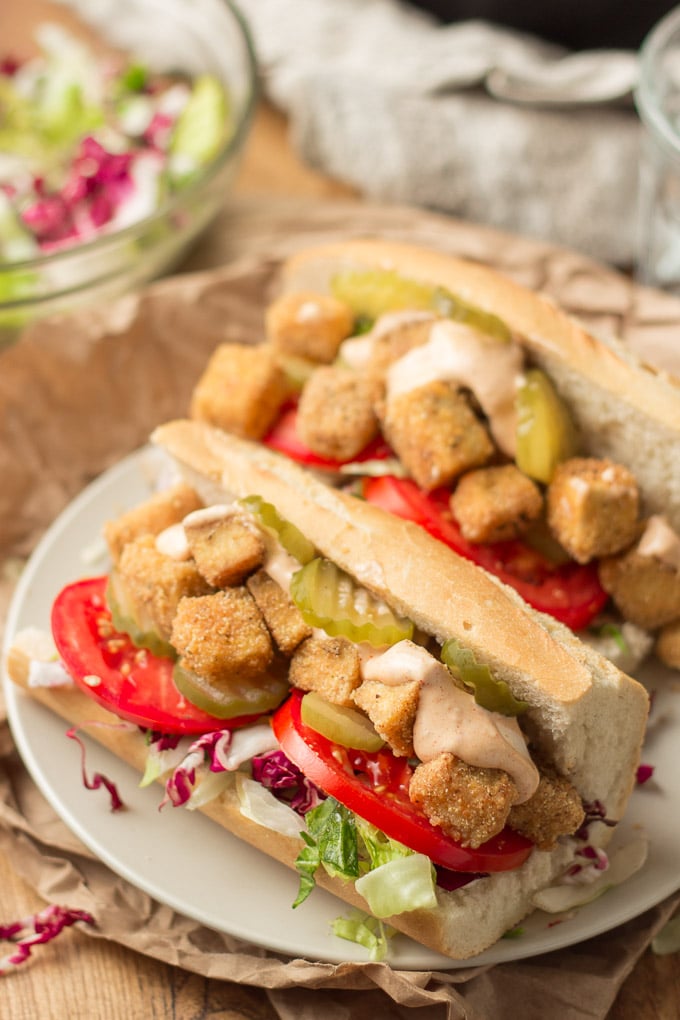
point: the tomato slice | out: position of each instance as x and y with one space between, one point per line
131 682
375 787
284 437
569 592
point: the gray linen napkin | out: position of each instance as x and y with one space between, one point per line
482 122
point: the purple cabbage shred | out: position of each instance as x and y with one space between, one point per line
37 930
285 780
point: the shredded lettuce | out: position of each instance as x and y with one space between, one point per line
348 847
261 806
405 883
366 931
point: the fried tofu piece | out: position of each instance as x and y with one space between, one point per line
667 646
470 804
592 507
392 710
644 589
222 636
336 416
329 666
154 584
241 390
495 504
283 618
435 433
308 325
226 548
156 514
554 810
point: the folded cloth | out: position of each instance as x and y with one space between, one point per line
468 118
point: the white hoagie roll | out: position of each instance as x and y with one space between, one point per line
585 717
623 409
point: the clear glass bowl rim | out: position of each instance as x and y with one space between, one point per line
115 237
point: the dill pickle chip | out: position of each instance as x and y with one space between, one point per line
237 697
545 431
373 292
329 598
490 693
132 621
345 726
290 537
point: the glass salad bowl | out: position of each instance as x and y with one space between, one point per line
121 127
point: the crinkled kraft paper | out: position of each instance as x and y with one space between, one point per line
78 393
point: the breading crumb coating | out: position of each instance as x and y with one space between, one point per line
221 636
470 804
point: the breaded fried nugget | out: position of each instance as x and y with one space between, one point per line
645 590
151 517
226 549
392 710
241 390
283 618
330 666
592 507
554 810
495 504
470 804
154 584
336 418
435 433
221 636
308 325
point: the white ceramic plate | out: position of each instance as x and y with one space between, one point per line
189 863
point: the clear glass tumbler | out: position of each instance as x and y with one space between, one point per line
657 99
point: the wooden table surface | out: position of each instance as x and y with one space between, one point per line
79 977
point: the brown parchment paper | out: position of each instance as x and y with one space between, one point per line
78 393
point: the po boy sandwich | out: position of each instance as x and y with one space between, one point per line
476 408
360 702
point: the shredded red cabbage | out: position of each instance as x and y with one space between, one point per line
36 930
97 183
595 811
277 773
210 749
97 779
451 880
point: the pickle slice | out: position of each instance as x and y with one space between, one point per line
329 598
488 692
290 537
373 292
238 697
345 726
134 622
545 431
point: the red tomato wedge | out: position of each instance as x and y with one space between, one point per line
131 682
568 592
375 787
284 438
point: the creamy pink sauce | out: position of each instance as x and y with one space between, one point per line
490 368
449 720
